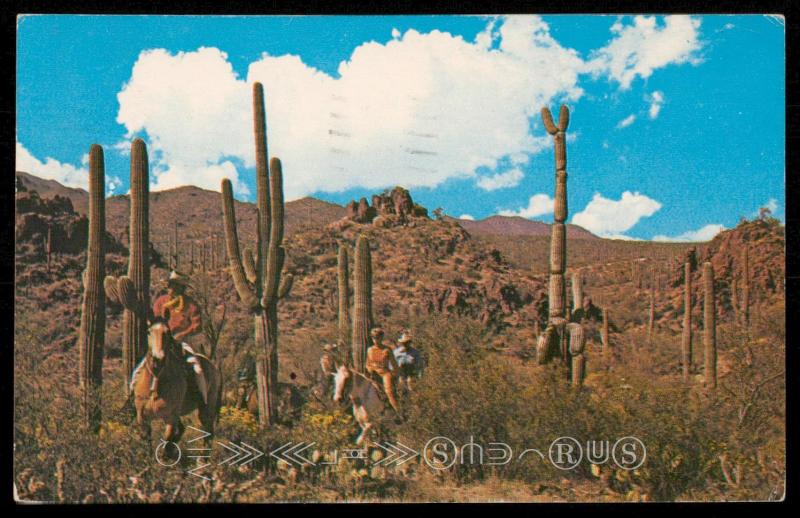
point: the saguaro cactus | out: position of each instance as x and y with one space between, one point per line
49 243
577 290
746 289
362 303
262 294
686 338
176 245
577 344
344 295
651 317
93 313
709 326
133 290
555 333
604 330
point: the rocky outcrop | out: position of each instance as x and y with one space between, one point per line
390 208
41 219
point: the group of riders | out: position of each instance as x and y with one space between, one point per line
389 365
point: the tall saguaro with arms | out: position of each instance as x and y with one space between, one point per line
261 292
554 341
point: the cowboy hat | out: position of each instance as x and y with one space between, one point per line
330 347
376 331
177 278
404 338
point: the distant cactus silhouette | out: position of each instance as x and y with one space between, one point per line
746 289
709 326
362 303
686 338
651 315
91 337
344 294
261 296
49 243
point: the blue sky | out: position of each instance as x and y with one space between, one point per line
677 123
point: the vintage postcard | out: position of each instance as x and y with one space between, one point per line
506 258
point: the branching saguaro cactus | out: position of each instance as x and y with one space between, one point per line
686 338
362 303
93 313
261 294
554 339
709 326
344 294
133 290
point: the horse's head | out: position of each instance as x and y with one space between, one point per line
159 339
340 378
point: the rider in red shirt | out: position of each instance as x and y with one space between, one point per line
184 321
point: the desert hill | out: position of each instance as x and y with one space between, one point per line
517 226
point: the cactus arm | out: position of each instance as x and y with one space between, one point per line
246 294
126 292
110 287
249 264
563 118
547 119
262 186
286 286
275 253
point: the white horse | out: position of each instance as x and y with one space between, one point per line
368 405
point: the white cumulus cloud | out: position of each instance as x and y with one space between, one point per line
417 110
656 101
510 178
538 205
65 174
467 217
51 169
705 233
627 121
646 45
406 111
611 218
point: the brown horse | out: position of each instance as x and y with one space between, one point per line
164 390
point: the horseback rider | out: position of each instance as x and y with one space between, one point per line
381 363
408 359
184 321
